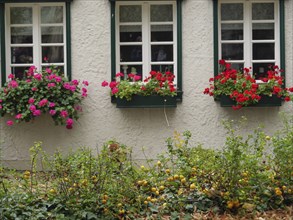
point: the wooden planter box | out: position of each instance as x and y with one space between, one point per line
147 102
265 101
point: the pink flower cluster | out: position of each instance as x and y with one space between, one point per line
47 92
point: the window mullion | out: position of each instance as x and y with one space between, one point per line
146 46
247 47
36 36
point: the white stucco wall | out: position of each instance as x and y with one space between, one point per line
138 128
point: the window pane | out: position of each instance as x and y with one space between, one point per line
263 31
263 51
237 66
130 13
233 11
232 31
232 51
131 53
136 69
163 68
162 53
21 15
19 72
55 54
21 55
260 69
51 14
21 35
161 13
161 33
262 11
130 33
52 34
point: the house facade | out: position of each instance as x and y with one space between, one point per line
94 39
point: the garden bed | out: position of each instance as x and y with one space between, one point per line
186 182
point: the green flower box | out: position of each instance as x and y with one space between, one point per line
265 101
153 101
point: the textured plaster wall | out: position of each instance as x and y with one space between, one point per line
138 128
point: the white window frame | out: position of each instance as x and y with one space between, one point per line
146 36
37 44
247 32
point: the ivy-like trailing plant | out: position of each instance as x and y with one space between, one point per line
157 83
243 88
40 92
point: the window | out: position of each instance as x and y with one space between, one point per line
249 34
35 32
146 35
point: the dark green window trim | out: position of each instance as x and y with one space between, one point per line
2 43
2 32
32 1
282 36
179 45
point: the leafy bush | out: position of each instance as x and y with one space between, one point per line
241 178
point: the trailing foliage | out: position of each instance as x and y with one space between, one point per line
39 92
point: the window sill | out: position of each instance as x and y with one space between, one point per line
265 101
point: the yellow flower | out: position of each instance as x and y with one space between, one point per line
278 191
192 186
230 204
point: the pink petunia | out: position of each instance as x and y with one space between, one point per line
72 88
69 121
75 82
113 84
86 83
58 79
51 85
13 84
105 83
136 78
37 112
48 70
67 85
38 76
34 89
69 126
119 74
31 70
32 108
18 116
64 113
43 102
84 90
52 105
11 76
1 107
52 112
9 123
115 90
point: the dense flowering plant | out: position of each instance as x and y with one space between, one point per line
243 88
41 92
157 83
